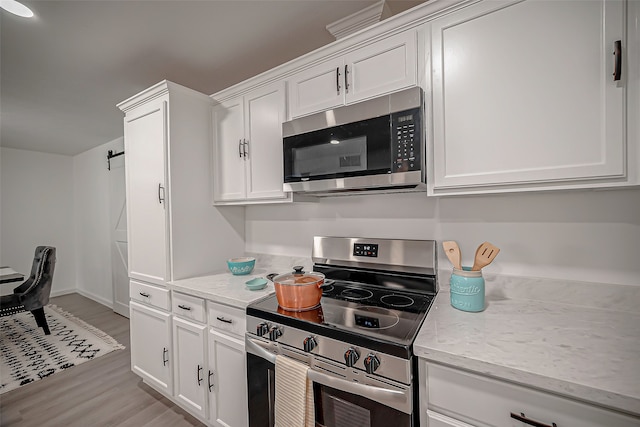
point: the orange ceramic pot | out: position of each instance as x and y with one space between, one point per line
298 291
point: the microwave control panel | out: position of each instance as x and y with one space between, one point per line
406 140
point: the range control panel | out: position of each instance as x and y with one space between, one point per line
406 141
365 249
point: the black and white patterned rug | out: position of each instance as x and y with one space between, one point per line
27 354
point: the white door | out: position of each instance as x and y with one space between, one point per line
265 113
316 89
523 92
144 140
151 345
118 223
228 138
383 67
189 365
228 402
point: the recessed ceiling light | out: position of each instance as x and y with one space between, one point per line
16 8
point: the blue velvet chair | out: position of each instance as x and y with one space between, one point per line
34 293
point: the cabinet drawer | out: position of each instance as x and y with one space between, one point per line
150 294
189 307
479 400
228 319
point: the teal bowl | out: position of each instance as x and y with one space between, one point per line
241 266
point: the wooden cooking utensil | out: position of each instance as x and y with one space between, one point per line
452 251
485 253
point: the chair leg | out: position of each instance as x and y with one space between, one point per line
41 320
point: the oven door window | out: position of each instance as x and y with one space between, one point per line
335 408
355 149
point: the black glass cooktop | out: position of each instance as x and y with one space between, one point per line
364 310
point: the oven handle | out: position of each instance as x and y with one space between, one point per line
397 399
393 398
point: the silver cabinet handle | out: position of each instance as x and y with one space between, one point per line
160 193
240 147
346 82
245 145
144 294
338 80
222 319
184 307
165 360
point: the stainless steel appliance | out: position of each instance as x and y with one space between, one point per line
372 145
358 342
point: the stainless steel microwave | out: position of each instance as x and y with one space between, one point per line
372 145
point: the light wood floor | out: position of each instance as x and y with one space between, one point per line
102 392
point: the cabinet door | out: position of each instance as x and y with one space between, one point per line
523 93
228 136
228 394
189 365
383 67
265 113
145 136
151 345
316 89
494 403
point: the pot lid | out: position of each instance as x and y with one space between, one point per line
298 277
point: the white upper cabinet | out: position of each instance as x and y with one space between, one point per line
524 97
248 147
145 137
228 135
173 230
381 67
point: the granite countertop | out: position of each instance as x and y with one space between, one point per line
224 287
582 351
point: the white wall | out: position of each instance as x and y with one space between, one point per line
578 235
36 208
92 224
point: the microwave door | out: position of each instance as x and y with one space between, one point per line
351 150
337 157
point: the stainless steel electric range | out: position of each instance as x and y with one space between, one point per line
358 342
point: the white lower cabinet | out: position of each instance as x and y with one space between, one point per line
228 388
228 402
209 367
190 369
151 356
460 399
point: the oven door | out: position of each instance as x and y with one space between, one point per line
339 402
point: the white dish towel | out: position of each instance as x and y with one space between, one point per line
294 405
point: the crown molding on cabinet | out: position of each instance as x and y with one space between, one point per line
156 91
359 20
408 19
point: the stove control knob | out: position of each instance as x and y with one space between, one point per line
351 356
274 333
309 343
371 363
262 329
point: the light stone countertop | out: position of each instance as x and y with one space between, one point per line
584 352
228 289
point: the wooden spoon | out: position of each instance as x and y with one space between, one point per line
485 253
452 251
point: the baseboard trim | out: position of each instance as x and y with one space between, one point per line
96 298
62 292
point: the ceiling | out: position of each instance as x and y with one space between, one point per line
64 71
